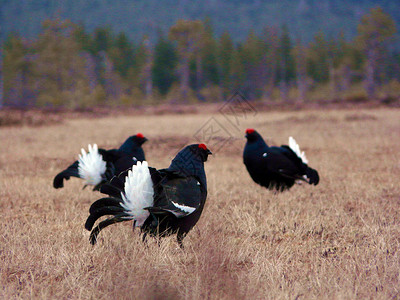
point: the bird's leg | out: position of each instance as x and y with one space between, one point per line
134 226
144 238
179 238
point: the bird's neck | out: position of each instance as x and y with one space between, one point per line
189 166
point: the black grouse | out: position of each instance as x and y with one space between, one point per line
98 165
160 202
276 168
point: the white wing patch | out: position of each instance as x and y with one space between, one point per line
91 165
265 154
138 192
187 209
296 149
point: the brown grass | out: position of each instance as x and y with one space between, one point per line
339 239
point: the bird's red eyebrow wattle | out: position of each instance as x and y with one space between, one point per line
139 135
249 130
203 146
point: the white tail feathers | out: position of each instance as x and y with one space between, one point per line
91 165
138 192
296 149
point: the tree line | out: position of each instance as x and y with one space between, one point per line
69 67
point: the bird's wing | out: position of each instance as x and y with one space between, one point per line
139 154
72 170
124 163
289 153
111 155
175 194
282 161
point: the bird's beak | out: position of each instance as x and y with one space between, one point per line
209 152
145 140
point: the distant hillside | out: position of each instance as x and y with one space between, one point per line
303 17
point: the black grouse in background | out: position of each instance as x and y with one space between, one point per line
98 165
276 167
160 202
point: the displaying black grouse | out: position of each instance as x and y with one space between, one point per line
160 202
276 167
98 165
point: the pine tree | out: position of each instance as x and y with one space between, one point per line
121 54
272 58
286 68
254 61
318 59
375 31
18 70
225 56
165 62
59 66
208 57
187 34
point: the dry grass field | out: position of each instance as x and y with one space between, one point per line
338 240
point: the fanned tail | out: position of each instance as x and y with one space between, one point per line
105 207
95 232
312 175
72 170
138 192
91 166
296 149
135 194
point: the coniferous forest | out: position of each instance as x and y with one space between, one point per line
67 65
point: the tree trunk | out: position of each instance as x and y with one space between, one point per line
370 74
184 78
333 80
283 86
199 72
301 74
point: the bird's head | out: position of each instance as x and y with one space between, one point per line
132 143
139 139
203 151
198 152
252 135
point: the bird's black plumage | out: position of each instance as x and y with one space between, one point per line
117 160
180 192
276 168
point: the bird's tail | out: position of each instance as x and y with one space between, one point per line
91 165
312 175
105 207
72 170
296 149
135 194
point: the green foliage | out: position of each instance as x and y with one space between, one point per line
209 53
319 58
122 54
375 29
164 65
286 66
68 66
59 67
224 58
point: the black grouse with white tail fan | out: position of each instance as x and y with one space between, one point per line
98 166
160 202
276 168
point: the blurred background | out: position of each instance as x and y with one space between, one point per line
78 53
